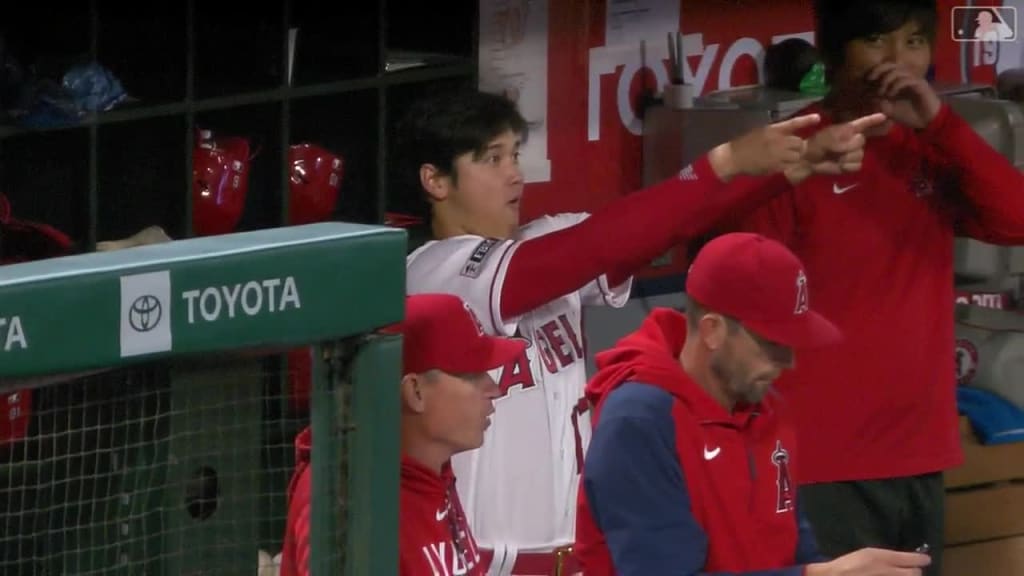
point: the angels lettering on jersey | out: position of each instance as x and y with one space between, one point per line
446 559
457 556
558 344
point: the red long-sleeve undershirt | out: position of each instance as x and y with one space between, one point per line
991 186
626 235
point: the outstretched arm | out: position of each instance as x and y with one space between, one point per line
628 233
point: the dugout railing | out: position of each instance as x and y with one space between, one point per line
162 406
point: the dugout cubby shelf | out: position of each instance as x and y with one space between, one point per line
335 74
50 171
154 69
260 125
289 71
355 137
126 166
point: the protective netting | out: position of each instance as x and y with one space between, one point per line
165 468
150 400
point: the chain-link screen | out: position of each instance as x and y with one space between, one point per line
167 468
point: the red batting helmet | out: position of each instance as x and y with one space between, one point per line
316 176
26 240
220 182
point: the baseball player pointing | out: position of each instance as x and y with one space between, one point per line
532 281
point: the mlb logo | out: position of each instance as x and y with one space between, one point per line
984 24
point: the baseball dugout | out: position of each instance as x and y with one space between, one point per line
163 410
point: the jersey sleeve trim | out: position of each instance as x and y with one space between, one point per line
502 326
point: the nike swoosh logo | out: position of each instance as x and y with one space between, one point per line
710 454
442 514
837 190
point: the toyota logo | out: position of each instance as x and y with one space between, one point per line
145 313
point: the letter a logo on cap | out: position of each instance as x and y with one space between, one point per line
802 304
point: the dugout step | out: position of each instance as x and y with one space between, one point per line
984 531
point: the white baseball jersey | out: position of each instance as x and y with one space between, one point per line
519 488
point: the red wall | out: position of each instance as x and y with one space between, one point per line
588 173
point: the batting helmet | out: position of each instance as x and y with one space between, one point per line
316 177
220 183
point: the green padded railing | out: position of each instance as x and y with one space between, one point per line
156 374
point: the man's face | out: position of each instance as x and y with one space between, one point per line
747 365
906 46
458 408
488 189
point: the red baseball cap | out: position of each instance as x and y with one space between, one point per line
760 283
441 332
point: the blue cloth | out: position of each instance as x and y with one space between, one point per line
93 88
84 89
995 419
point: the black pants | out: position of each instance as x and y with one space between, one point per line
895 513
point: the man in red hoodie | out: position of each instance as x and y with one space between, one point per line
447 399
877 416
693 468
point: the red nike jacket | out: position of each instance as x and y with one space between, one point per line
434 538
674 484
878 249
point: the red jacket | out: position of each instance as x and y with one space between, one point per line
674 484
434 539
878 249
295 553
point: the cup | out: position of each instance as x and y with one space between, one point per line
679 96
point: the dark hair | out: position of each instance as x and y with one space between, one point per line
1010 84
786 63
842 21
440 128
